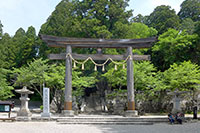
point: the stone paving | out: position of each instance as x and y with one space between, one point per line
53 127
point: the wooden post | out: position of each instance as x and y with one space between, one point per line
68 84
130 80
130 85
68 80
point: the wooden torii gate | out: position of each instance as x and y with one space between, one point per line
68 43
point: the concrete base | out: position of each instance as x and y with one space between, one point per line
131 113
45 114
24 112
174 111
67 113
21 118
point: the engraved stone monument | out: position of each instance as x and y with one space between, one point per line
46 112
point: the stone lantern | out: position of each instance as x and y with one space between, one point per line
24 110
177 100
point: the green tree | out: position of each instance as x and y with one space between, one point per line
134 30
18 50
144 76
190 9
197 28
32 75
184 76
174 47
139 30
5 88
140 19
38 73
188 25
28 49
87 18
163 18
63 21
148 85
7 52
1 30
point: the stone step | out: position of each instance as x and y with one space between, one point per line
73 119
8 119
111 120
108 123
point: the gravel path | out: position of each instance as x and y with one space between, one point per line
53 127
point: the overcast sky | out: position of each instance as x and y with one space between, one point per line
24 13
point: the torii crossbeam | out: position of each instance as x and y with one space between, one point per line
69 43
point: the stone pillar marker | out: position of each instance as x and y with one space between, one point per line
24 112
46 112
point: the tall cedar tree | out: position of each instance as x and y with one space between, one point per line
163 18
1 29
190 9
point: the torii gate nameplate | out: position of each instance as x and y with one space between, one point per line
68 43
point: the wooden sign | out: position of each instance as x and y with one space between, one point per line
4 108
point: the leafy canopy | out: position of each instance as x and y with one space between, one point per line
185 76
173 47
5 88
163 18
190 9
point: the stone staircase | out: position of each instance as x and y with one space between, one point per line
111 120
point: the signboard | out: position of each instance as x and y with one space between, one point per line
4 108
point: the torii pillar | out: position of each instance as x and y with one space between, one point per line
130 85
68 84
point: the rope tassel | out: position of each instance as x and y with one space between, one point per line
123 66
95 68
103 68
82 66
115 67
74 64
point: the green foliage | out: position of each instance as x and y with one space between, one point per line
39 72
18 50
144 76
163 18
32 75
183 77
27 48
197 28
86 18
188 25
5 88
134 30
1 29
120 77
140 19
55 79
190 9
174 47
7 52
139 30
80 82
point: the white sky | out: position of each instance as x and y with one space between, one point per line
24 13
